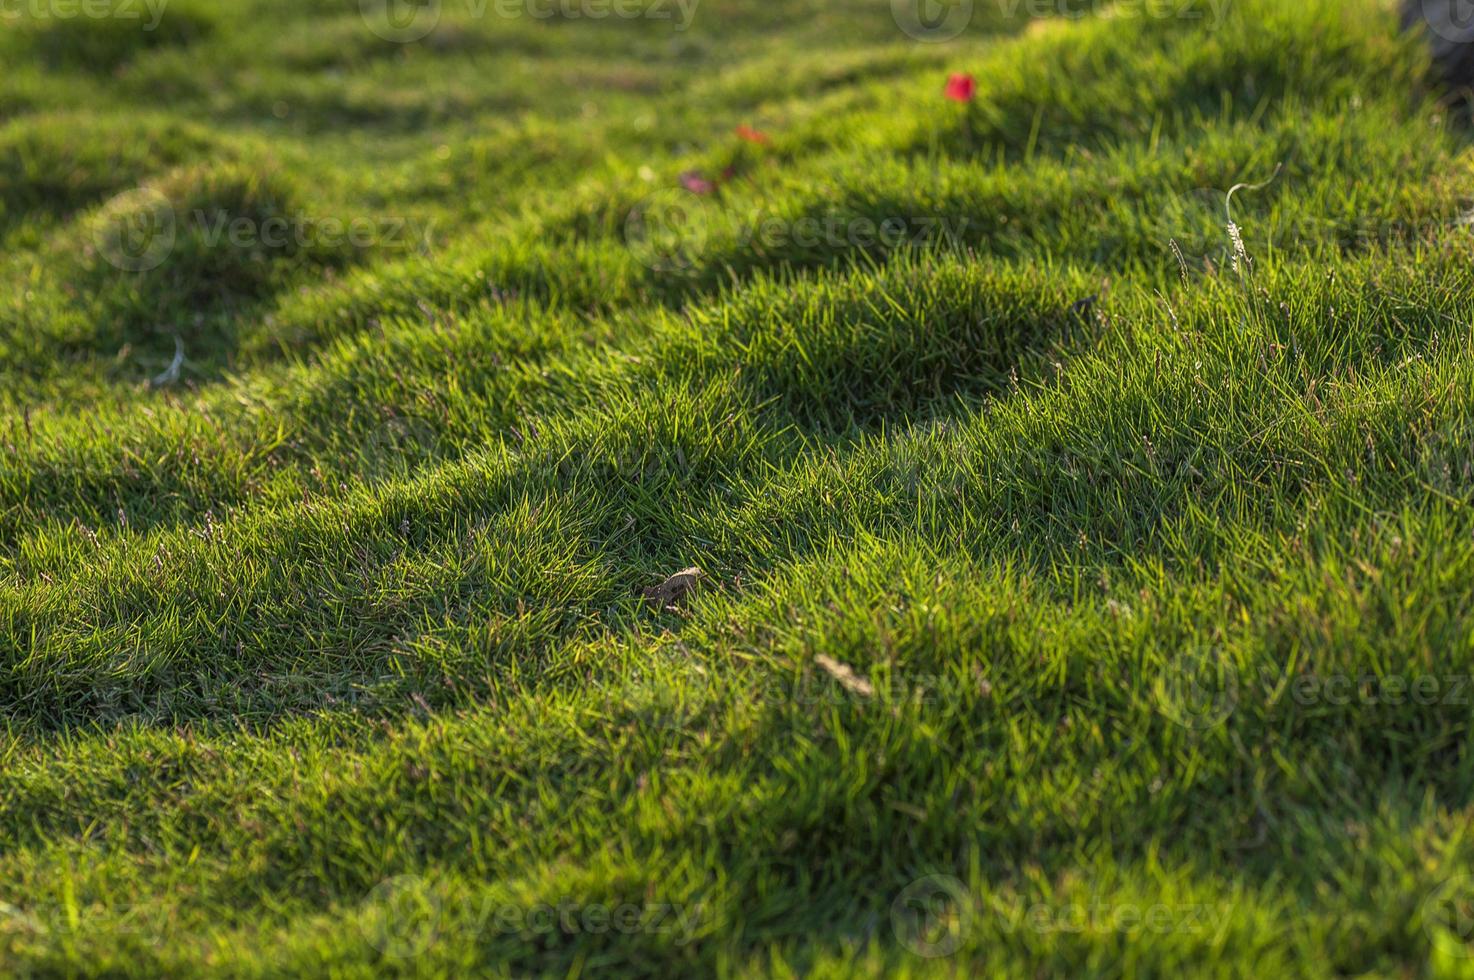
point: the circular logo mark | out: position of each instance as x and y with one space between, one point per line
400 21
932 21
673 703
136 230
399 446
18 920
1199 689
1196 228
1449 20
668 231
1448 916
404 917
933 916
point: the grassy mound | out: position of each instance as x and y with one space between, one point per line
1080 477
204 236
54 165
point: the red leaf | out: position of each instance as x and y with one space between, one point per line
753 135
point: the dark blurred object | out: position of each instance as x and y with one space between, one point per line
1449 25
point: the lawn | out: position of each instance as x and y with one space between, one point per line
1078 468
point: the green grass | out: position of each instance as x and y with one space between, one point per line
322 645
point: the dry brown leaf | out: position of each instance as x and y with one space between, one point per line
847 678
670 593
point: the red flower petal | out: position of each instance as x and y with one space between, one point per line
752 135
961 87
